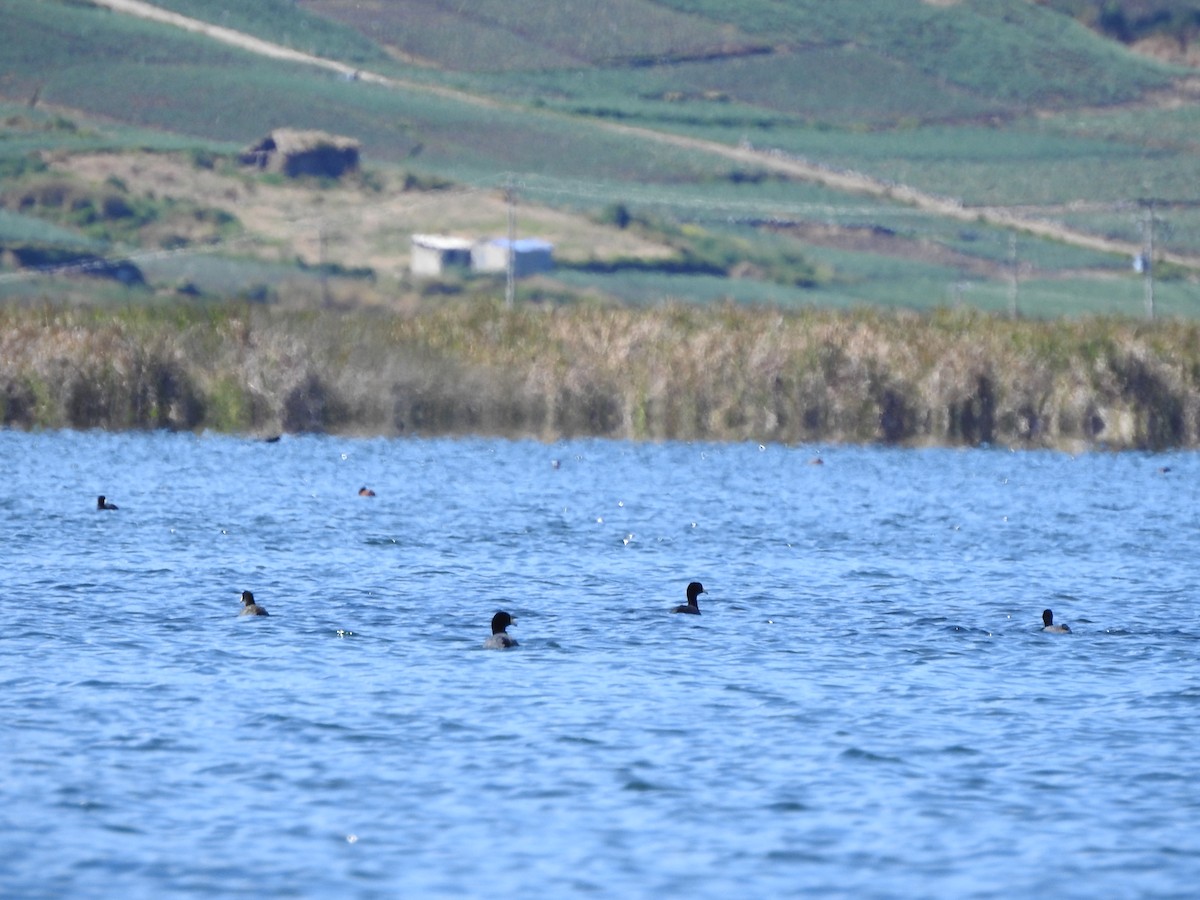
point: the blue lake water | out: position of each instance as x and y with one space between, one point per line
866 707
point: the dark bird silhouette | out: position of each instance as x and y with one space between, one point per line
249 607
694 590
500 639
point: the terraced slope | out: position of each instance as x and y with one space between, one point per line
942 126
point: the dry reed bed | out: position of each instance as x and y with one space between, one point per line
676 372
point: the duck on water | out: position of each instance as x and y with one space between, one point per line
694 590
249 607
501 639
1049 626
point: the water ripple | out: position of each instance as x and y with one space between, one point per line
866 706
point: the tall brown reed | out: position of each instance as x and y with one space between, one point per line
727 373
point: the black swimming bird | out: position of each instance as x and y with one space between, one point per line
249 607
1048 623
365 491
694 590
500 639
102 503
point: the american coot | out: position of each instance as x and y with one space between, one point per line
500 640
694 590
102 503
1048 623
249 607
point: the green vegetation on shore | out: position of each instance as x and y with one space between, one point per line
760 214
724 373
685 111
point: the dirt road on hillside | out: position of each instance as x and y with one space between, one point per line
772 160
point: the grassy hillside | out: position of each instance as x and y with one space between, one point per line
999 106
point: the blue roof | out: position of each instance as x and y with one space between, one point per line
523 245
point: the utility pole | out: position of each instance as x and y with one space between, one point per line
322 242
1013 272
510 274
1148 258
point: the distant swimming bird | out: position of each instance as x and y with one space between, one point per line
694 590
365 491
1048 624
249 607
102 503
500 639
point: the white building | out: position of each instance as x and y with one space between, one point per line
530 256
433 254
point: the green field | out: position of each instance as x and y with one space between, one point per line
997 105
